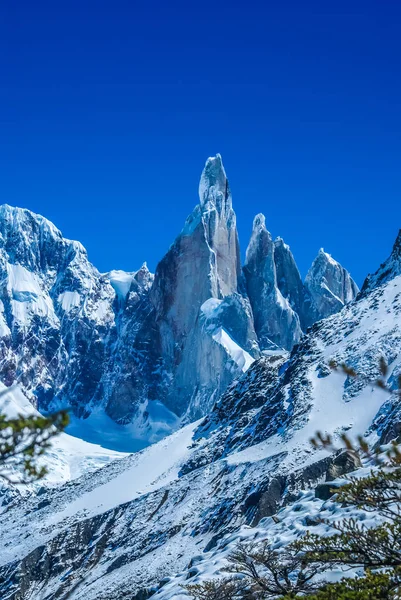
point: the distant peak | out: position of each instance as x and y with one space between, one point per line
396 252
215 162
326 257
214 168
143 276
143 271
388 270
259 221
213 176
22 215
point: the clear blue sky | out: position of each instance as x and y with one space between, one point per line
108 111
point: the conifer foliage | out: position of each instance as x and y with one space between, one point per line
23 440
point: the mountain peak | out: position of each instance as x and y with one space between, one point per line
259 221
213 185
324 257
329 285
388 270
396 252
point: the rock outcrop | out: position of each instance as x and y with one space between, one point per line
329 286
276 323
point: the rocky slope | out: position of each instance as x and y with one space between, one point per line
166 515
151 352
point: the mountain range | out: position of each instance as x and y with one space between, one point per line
153 351
223 371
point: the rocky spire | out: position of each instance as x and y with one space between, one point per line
204 260
275 320
202 264
219 223
289 280
329 286
388 270
213 185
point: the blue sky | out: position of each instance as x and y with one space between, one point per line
108 111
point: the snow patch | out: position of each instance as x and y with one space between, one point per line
69 300
210 307
27 297
239 356
68 457
121 282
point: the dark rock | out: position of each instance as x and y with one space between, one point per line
345 462
326 490
311 522
144 594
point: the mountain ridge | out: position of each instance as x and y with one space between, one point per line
134 344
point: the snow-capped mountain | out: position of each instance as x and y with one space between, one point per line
147 524
152 352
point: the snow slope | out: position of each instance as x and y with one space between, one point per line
69 457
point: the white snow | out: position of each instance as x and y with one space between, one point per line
149 470
69 300
100 429
239 356
27 296
210 307
69 457
121 282
288 525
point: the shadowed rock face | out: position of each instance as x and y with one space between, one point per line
276 323
284 306
128 343
202 264
288 276
387 270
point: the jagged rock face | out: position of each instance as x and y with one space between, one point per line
56 309
282 304
202 266
289 282
60 319
276 323
330 287
153 351
204 261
